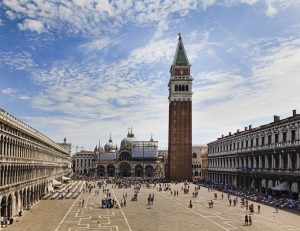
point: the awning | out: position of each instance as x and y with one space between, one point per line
65 178
294 187
56 183
270 184
252 184
284 186
264 183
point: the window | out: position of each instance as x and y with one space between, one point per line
293 134
251 143
276 138
242 145
284 137
194 155
238 145
269 139
176 87
186 87
257 142
233 146
246 143
262 141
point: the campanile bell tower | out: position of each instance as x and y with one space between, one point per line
180 117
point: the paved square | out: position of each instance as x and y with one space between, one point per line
167 213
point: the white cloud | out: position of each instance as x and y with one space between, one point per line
24 97
8 91
18 60
97 44
228 101
32 25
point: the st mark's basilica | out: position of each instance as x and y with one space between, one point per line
132 158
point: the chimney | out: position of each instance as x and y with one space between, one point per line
230 133
238 130
246 128
222 136
294 112
275 118
250 127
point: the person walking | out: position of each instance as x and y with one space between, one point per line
250 220
258 208
191 205
246 219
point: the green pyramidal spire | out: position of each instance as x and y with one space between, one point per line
180 58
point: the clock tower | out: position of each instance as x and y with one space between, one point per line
180 117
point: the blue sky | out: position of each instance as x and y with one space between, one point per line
83 69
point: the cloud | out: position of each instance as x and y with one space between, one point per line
24 97
98 44
8 91
229 101
18 60
32 25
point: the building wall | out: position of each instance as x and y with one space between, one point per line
198 163
84 161
29 162
258 158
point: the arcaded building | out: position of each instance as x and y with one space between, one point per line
180 117
266 158
29 163
199 156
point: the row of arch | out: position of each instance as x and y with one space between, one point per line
15 202
181 87
12 147
196 166
12 174
126 170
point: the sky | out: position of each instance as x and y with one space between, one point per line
83 69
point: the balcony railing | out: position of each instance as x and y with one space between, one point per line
258 148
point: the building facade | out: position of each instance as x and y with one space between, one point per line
266 158
83 162
180 117
29 161
198 152
134 158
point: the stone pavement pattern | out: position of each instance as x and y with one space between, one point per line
167 213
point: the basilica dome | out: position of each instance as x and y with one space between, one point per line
126 143
109 146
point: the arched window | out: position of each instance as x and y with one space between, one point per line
176 87
186 88
194 155
179 87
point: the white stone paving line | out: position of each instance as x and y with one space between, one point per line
196 212
122 211
63 219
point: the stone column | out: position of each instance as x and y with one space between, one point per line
289 165
259 162
280 162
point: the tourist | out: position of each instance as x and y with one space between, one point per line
191 206
258 208
250 220
246 219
